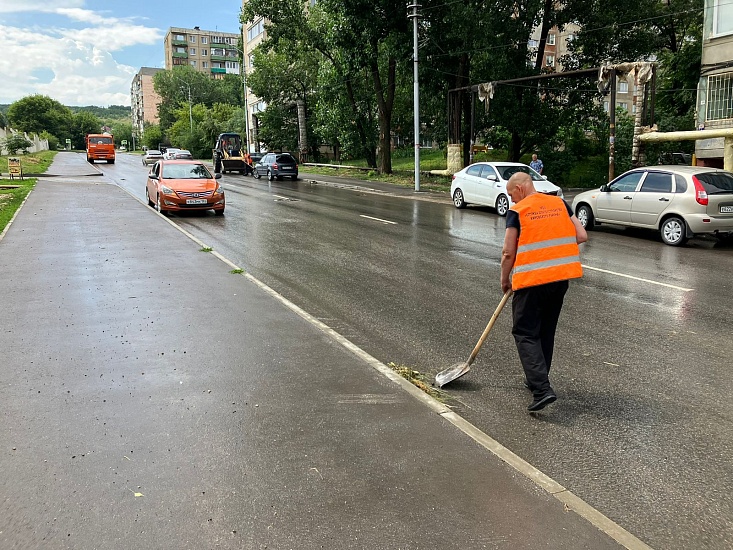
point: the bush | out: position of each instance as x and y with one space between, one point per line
15 143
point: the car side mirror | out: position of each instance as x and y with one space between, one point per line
217 176
492 177
605 188
544 177
152 176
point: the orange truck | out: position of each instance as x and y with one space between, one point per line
100 147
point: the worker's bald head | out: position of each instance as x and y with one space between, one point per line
519 186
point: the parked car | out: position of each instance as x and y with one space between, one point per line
169 153
276 165
677 201
152 156
177 185
182 154
485 183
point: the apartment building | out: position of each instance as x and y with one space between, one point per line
715 88
144 100
210 52
253 33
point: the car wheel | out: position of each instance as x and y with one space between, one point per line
147 196
295 178
270 175
673 231
158 205
110 161
256 174
217 165
279 178
219 212
458 199
502 205
585 216
90 160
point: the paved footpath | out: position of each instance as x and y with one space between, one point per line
149 398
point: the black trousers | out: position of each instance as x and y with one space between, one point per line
535 311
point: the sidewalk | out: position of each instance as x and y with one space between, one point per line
150 398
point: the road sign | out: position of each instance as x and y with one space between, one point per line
14 168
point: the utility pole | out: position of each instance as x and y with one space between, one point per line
416 91
244 95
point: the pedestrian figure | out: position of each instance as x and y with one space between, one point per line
541 246
537 165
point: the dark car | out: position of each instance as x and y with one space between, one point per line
277 165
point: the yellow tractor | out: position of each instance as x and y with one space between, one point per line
228 155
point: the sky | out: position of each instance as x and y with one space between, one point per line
81 52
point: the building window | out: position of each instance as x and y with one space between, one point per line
623 87
550 61
720 97
204 52
180 50
232 65
251 60
205 64
192 51
623 105
255 30
179 37
605 106
551 39
193 63
204 40
533 43
722 17
192 38
633 107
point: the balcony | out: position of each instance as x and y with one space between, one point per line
219 45
179 42
182 55
218 70
220 58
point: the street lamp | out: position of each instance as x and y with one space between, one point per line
190 112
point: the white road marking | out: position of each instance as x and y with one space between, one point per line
280 197
378 219
638 278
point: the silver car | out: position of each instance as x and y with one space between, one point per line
677 201
152 156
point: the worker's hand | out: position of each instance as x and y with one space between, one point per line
506 286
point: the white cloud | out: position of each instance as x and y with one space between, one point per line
19 6
81 60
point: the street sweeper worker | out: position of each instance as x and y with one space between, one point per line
541 246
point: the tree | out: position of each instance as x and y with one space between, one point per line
15 143
36 113
152 136
84 122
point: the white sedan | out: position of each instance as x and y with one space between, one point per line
485 183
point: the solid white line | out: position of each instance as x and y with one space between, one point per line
378 219
280 197
638 278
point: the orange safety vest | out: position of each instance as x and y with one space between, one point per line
547 250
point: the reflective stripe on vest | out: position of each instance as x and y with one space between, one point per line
547 250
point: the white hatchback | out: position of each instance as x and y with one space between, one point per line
485 183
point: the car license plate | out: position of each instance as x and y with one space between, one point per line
726 209
196 201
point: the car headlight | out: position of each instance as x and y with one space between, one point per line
560 194
166 190
219 190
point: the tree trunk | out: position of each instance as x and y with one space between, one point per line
385 101
546 25
302 132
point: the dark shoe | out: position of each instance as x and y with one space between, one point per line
541 402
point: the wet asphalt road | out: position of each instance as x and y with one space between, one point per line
643 428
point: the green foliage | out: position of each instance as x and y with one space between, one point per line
15 143
113 112
36 113
84 122
152 136
53 141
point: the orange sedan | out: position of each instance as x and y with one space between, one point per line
178 185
